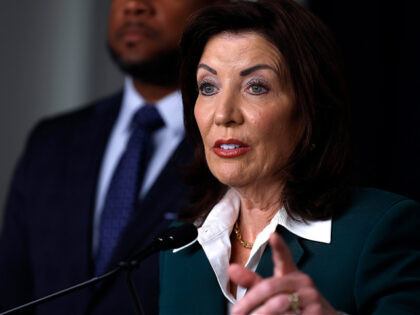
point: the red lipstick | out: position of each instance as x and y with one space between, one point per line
230 148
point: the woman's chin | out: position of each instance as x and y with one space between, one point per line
235 181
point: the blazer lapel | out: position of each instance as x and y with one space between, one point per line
292 242
190 285
265 267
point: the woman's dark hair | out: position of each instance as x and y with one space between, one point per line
316 174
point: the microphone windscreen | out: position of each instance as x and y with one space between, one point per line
176 237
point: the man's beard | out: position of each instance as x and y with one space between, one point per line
162 69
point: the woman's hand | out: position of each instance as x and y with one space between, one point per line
288 291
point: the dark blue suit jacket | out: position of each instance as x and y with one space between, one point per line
46 238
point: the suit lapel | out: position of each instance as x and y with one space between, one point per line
83 137
83 162
265 267
168 194
159 208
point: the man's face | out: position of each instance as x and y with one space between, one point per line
143 34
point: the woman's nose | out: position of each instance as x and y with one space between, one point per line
228 111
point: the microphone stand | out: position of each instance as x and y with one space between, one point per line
129 265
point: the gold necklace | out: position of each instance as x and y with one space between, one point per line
239 237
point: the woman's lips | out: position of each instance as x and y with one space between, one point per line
230 148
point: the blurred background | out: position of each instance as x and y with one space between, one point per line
53 58
380 45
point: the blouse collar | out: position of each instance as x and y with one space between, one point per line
224 214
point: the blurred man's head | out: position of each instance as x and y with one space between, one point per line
143 37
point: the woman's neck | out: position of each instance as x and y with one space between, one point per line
258 207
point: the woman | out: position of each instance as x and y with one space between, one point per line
264 106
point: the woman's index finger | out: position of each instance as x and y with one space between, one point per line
282 258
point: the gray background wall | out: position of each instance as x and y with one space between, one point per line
52 59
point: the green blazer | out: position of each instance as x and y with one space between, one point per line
371 266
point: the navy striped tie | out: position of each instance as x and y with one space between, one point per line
125 185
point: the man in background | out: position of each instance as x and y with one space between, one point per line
75 209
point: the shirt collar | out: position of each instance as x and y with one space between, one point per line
169 107
225 213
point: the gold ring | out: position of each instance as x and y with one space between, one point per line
294 303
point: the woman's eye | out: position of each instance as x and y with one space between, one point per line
257 89
207 89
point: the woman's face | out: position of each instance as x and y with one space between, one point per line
245 110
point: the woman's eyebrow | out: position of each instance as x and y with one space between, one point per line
206 67
256 67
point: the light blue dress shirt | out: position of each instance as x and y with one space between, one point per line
165 141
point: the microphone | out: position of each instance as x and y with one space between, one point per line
170 238
173 237
176 237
